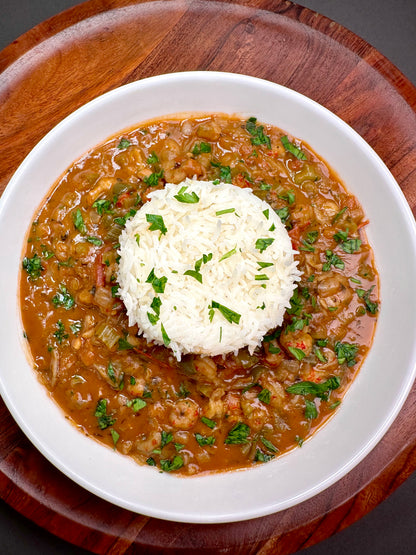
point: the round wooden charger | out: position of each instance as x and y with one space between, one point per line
101 44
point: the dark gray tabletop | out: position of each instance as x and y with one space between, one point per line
390 529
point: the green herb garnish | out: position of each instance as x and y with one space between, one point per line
229 315
208 422
104 420
78 221
257 133
263 243
63 298
332 260
265 395
165 337
293 149
238 434
204 440
175 464
346 353
33 266
124 143
320 390
188 198
157 223
371 306
96 241
152 159
225 211
201 147
60 334
153 179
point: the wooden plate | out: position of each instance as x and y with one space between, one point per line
92 48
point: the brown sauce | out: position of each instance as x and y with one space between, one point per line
201 414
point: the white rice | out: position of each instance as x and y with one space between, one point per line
190 323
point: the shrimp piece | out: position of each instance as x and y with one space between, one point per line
206 367
184 414
233 410
268 381
326 211
102 186
275 358
147 444
216 406
299 340
334 291
254 411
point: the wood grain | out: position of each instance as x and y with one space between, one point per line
101 44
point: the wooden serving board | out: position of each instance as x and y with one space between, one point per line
101 44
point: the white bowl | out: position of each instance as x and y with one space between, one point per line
375 397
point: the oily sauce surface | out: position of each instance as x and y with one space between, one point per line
200 414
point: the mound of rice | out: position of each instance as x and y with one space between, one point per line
206 268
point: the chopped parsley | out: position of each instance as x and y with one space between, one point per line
96 241
332 260
228 254
169 465
229 315
124 345
262 457
33 266
311 411
339 214
208 422
289 197
46 254
103 206
204 440
293 149
188 198
225 172
165 337
104 420
263 243
157 223
152 159
264 264
320 390
121 220
371 306
257 133
297 353
350 246
63 298
153 179
346 353
269 445
238 434
136 404
196 274
78 221
225 211
115 436
158 284
283 213
60 334
265 395
183 390
124 143
200 148
166 437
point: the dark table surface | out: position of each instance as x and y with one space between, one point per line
390 529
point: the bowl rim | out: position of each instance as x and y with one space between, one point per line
407 221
